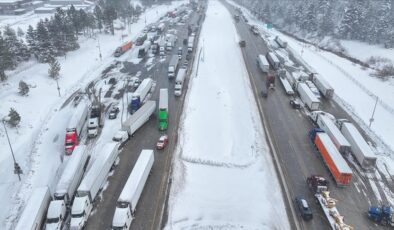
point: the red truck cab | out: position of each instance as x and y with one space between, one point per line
71 141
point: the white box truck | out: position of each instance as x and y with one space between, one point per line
359 147
190 44
324 87
140 94
326 122
307 96
173 66
180 78
263 63
132 190
139 118
56 216
91 185
273 60
33 214
281 43
72 175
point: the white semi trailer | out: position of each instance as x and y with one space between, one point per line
359 147
91 184
128 199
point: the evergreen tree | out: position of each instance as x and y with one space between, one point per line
54 68
98 15
31 39
6 57
109 17
23 88
3 76
15 118
74 19
20 32
45 50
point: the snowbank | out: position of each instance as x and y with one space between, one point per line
223 174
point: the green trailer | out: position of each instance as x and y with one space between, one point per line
163 110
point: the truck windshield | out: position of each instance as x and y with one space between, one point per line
91 128
117 228
78 215
53 220
69 143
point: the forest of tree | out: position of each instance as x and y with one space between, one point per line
59 34
369 21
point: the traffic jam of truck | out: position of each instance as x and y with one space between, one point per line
86 169
337 141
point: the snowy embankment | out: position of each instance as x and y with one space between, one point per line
38 142
356 91
223 175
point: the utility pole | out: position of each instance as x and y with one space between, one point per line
58 87
17 168
99 48
373 112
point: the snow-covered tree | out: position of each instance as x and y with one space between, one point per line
14 118
54 68
20 32
23 88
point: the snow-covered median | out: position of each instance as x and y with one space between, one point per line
223 174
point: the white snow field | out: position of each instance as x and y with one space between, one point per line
223 175
38 142
355 90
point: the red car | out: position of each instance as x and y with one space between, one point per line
162 143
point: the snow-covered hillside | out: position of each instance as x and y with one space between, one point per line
223 175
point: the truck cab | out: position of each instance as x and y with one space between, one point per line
56 215
71 141
80 212
135 104
178 89
122 219
93 127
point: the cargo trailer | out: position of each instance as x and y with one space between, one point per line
139 118
324 87
334 161
359 147
131 193
307 96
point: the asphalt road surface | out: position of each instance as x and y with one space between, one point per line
149 212
298 157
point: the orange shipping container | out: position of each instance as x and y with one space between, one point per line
338 167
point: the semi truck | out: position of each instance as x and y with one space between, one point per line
286 85
326 122
190 44
273 60
327 203
171 40
307 96
56 215
163 109
281 43
123 48
358 146
139 118
33 214
141 39
75 126
96 119
324 87
72 175
91 185
140 94
143 50
263 63
173 66
381 214
180 78
334 161
132 190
